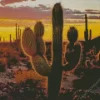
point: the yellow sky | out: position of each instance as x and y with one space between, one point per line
7 27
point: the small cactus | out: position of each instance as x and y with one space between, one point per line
86 28
90 38
87 34
73 49
72 34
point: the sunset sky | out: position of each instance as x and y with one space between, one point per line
73 4
27 12
41 9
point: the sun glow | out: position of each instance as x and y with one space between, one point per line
8 27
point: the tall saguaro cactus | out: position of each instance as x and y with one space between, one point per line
54 79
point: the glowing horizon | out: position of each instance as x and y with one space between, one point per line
94 25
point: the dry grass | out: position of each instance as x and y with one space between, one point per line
24 75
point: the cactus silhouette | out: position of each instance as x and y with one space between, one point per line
90 38
87 33
86 28
87 36
72 35
34 46
54 79
73 49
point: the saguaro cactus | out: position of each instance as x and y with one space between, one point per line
87 33
86 28
90 37
54 79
